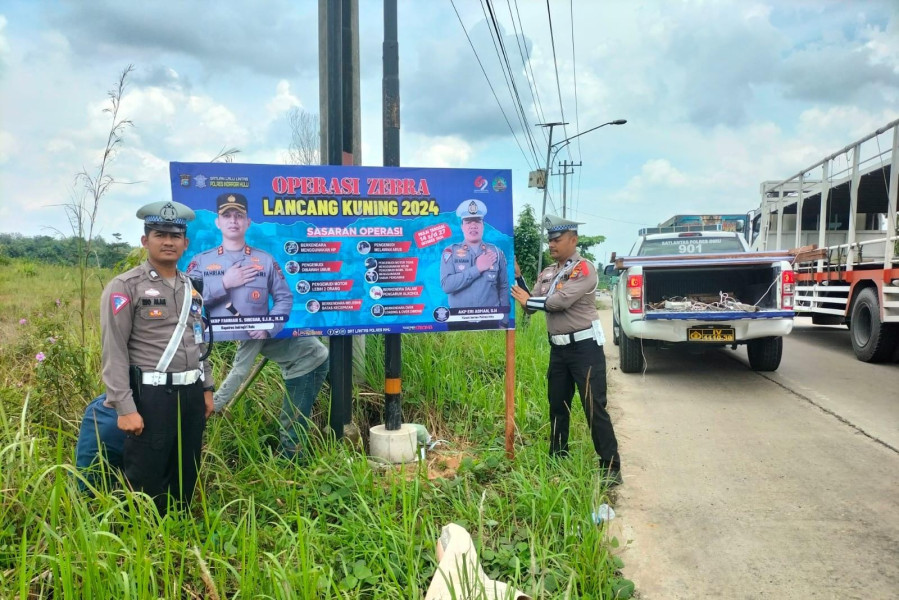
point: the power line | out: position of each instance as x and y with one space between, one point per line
577 122
523 153
522 52
508 75
556 64
616 220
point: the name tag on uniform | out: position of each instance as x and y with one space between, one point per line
198 333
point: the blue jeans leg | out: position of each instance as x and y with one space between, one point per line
297 409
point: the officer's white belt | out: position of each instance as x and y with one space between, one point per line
564 339
185 378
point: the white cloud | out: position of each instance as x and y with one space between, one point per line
8 146
439 152
660 172
282 101
4 45
57 145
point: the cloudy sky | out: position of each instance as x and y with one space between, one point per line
719 96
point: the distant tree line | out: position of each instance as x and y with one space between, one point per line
62 250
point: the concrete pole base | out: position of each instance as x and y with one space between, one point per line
398 446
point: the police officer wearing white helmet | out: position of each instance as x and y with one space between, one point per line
152 336
473 273
565 291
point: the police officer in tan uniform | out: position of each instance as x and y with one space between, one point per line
565 291
152 335
238 280
473 273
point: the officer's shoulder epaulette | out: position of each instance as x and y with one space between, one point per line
248 250
209 252
130 274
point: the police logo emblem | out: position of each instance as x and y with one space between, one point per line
169 212
547 223
255 295
118 301
472 208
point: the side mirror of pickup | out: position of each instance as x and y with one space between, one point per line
610 270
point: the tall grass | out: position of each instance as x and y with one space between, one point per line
337 527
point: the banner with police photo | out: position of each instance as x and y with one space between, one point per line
288 250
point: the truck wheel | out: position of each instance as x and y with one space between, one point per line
616 331
765 353
630 354
872 340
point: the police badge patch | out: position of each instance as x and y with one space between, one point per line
118 301
577 271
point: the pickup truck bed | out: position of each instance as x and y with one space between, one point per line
703 301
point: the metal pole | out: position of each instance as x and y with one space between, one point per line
561 145
565 174
340 369
549 147
393 410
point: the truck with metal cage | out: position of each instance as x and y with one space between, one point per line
699 287
845 204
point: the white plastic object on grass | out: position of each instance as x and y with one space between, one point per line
603 513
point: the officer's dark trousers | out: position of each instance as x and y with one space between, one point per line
580 364
163 460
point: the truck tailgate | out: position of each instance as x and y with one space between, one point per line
665 315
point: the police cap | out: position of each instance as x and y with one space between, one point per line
471 209
166 216
231 200
556 226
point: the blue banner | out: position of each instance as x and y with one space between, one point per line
288 250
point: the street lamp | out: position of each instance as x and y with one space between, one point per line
554 149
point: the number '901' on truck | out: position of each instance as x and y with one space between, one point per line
701 288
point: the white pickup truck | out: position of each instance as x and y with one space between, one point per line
700 289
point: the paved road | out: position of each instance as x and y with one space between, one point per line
748 485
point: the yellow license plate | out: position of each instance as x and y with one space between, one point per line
711 334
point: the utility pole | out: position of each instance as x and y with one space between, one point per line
393 411
340 118
549 147
565 173
559 146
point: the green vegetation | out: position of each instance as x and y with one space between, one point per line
262 527
62 250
